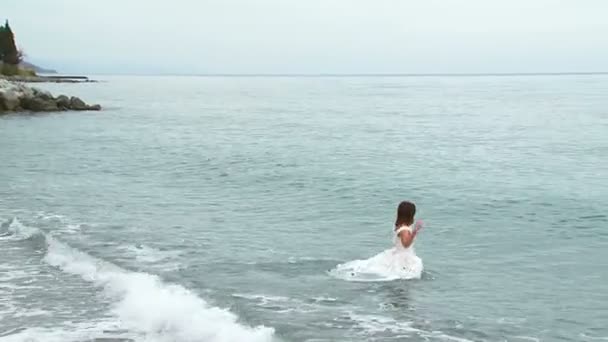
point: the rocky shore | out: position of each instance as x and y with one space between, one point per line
48 79
17 97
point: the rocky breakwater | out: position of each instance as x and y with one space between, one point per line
16 97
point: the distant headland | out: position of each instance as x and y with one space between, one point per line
14 67
17 97
37 69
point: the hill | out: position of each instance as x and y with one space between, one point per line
36 68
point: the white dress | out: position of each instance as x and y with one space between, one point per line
394 263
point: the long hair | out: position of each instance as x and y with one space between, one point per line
405 214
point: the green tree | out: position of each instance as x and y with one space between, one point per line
8 49
3 40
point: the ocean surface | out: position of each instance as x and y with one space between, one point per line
213 209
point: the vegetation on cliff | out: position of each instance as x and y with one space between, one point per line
10 55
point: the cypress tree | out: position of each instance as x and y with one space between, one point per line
3 40
11 55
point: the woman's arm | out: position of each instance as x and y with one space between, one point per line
407 237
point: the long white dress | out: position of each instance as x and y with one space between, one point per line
394 263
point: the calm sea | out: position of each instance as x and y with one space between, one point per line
212 209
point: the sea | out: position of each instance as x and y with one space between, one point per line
214 209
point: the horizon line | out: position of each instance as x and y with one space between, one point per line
473 74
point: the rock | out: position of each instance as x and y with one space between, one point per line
41 94
63 102
25 91
18 97
77 104
9 100
37 104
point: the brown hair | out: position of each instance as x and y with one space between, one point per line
405 214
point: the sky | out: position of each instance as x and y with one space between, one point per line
311 36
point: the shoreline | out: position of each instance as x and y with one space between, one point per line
49 79
16 97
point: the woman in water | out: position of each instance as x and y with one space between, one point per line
399 262
403 224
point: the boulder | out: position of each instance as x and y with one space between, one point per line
37 104
77 104
44 95
19 97
24 91
9 99
63 102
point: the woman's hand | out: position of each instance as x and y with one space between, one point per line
419 225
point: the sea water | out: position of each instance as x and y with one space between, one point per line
215 208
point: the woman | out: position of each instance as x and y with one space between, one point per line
399 262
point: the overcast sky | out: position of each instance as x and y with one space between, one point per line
312 36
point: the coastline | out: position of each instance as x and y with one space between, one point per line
16 97
48 79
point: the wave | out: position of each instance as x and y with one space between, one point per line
589 337
374 324
143 303
283 304
154 259
62 223
14 230
147 254
87 331
50 216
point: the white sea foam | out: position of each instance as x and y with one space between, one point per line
325 299
144 304
72 228
50 216
264 299
147 254
372 324
596 338
8 275
32 313
280 303
527 338
163 312
15 230
295 260
62 223
70 332
376 323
